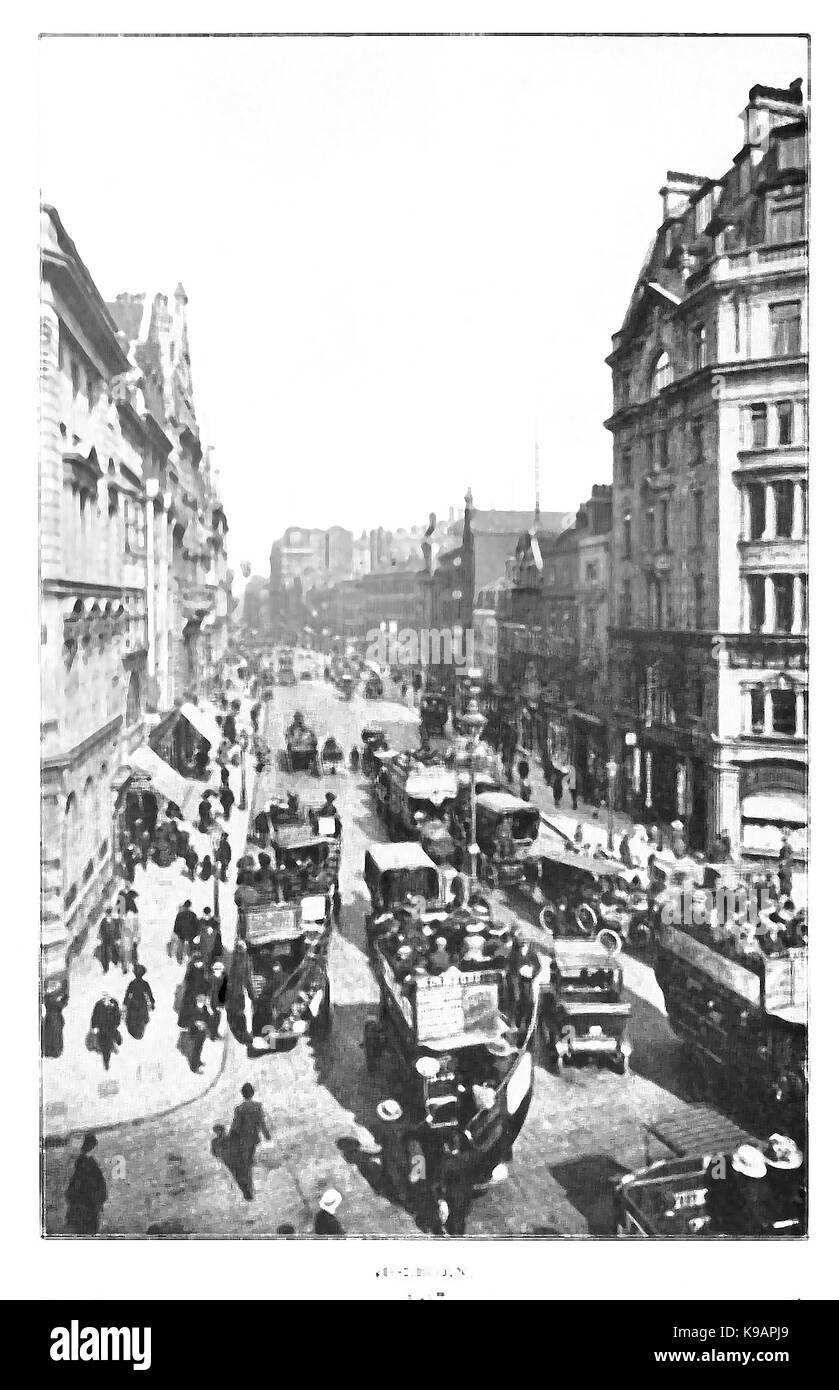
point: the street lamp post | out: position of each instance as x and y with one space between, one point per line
243 796
611 773
473 724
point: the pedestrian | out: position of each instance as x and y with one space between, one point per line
557 787
130 928
225 777
87 1192
104 1024
52 1027
224 854
196 981
725 841
218 995
185 928
199 1024
191 860
785 856
228 728
206 870
523 769
139 1003
228 799
625 851
205 814
326 1222
209 938
525 790
128 865
572 785
107 950
239 992
247 1127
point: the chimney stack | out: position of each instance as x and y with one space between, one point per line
676 191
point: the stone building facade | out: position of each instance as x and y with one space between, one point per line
131 569
93 592
708 601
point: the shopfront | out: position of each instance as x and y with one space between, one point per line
773 797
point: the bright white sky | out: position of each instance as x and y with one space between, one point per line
403 256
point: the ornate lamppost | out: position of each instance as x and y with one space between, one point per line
611 773
472 724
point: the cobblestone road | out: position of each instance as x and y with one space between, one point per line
584 1126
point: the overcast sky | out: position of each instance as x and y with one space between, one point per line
404 257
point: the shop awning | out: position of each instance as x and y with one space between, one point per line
779 808
165 780
203 722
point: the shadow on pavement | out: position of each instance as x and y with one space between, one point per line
587 1184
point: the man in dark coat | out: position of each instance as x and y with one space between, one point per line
186 927
196 982
199 1027
326 1222
105 1021
228 800
228 728
224 854
87 1192
248 1125
108 949
556 786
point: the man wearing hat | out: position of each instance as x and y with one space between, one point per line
246 1128
736 1201
439 960
474 953
785 1181
326 1222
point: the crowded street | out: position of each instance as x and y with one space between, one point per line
585 1126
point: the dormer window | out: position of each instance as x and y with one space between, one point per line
662 373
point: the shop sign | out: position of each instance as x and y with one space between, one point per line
786 777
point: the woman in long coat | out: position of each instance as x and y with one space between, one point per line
139 1003
87 1192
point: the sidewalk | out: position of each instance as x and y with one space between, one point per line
148 1076
593 819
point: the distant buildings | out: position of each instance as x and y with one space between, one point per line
709 667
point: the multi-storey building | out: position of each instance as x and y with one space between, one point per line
135 590
709 544
93 590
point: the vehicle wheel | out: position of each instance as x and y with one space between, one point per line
549 919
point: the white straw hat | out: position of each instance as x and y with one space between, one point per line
330 1201
748 1161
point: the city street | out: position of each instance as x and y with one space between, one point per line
584 1126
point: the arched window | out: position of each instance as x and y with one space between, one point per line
662 373
132 703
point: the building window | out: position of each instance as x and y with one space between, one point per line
786 224
700 347
784 422
699 518
756 495
649 532
591 575
662 373
650 451
757 707
698 600
783 602
627 536
785 323
757 605
626 603
758 414
697 451
738 309
74 376
665 525
783 712
626 468
783 508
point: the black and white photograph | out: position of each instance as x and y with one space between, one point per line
423 566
